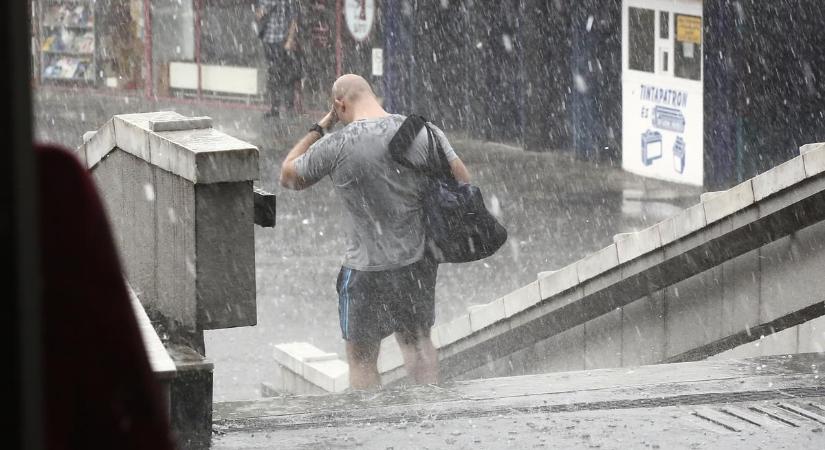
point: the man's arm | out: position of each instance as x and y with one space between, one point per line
289 174
460 171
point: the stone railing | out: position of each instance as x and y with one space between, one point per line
180 197
741 264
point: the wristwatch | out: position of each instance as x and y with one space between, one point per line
318 129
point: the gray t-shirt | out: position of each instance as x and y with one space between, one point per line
383 200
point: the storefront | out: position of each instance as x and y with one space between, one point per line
198 49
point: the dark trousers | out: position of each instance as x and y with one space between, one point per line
284 70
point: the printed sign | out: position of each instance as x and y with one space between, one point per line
663 110
377 62
359 15
689 29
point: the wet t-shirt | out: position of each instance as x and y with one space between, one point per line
383 200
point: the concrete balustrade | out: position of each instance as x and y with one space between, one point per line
741 262
179 195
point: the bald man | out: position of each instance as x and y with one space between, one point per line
387 280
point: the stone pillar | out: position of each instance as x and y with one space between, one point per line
179 195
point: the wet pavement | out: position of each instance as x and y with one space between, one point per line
768 402
556 210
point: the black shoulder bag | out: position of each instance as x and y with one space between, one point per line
459 227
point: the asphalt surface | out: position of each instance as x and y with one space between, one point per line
556 209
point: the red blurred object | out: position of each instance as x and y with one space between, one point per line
100 392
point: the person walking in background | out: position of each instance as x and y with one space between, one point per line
387 280
278 30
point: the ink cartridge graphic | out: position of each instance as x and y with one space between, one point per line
651 146
679 155
668 119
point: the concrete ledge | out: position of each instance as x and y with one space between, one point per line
482 316
811 147
185 146
521 299
310 363
814 158
689 244
597 263
778 178
686 222
556 282
632 245
459 328
728 202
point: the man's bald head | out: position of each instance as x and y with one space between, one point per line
351 88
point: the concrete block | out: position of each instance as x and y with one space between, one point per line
688 221
705 196
792 269
172 157
201 155
632 245
643 331
80 153
224 232
218 156
291 355
778 178
812 336
814 159
807 148
728 202
603 341
389 355
482 316
520 299
131 138
100 144
693 312
88 135
331 376
454 330
740 293
187 123
557 281
597 263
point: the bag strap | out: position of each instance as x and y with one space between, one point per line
403 139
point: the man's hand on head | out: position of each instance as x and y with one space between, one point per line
329 120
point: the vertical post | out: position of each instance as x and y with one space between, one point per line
198 6
20 233
339 56
147 48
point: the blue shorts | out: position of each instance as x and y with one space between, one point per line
373 305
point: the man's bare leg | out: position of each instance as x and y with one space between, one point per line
363 365
420 356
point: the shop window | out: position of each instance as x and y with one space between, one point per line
687 52
642 34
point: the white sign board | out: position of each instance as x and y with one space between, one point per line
662 104
359 15
377 62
